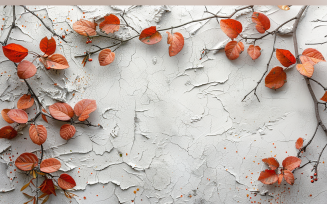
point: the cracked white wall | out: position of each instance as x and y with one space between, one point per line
175 129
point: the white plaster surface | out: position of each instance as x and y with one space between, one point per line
174 128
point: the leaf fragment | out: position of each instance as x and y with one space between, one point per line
110 24
150 36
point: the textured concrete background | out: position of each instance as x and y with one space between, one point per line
175 129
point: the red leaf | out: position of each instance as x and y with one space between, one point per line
43 116
61 111
289 177
26 161
55 61
14 52
47 187
106 57
26 69
38 134
150 36
299 143
233 49
25 102
8 132
324 97
5 116
65 182
176 42
306 69
84 27
262 21
254 52
110 24
312 55
18 115
291 162
271 162
268 176
231 27
84 107
50 165
48 46
67 131
276 78
285 57
280 178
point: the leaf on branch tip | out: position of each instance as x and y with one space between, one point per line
18 115
67 131
232 28
26 161
25 102
306 69
291 163
65 182
48 46
299 143
26 69
254 52
15 52
268 177
271 162
262 21
150 36
276 78
106 57
55 61
233 49
176 42
312 55
110 24
47 187
8 132
38 134
85 27
84 107
285 57
50 165
61 111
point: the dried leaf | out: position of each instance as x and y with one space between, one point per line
43 195
176 42
61 111
254 52
5 116
38 134
311 55
50 165
47 187
289 177
29 196
106 57
84 107
276 78
280 178
55 61
233 49
26 161
232 28
291 162
26 69
150 36
25 102
268 176
8 132
14 52
65 182
285 57
110 24
262 21
43 116
18 115
84 27
299 143
48 46
284 7
271 162
45 199
305 69
25 186
67 131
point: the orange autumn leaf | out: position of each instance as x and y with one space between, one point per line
26 69
233 49
25 102
262 21
55 61
312 55
38 134
26 161
150 36
110 24
306 69
291 162
280 178
5 116
15 52
18 115
106 57
43 116
232 28
61 111
47 187
285 57
268 176
84 107
299 143
65 182
289 177
324 97
271 162
67 131
50 165
85 27
176 42
276 78
284 7
8 132
48 46
254 52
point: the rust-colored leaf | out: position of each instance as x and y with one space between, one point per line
262 21
276 78
25 186
85 27
291 162
299 143
176 42
289 177
43 116
84 107
14 52
150 36
18 115
280 178
312 55
8 132
232 28
306 69
25 102
271 162
268 176
45 199
284 7
61 111
5 116
48 46
67 131
55 61
26 69
254 52
324 97
106 57
47 187
50 165
233 49
285 57
38 134
26 161
65 182
110 24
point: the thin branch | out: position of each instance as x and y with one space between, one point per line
13 25
321 43
325 88
305 147
315 167
122 16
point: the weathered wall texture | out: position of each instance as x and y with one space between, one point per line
175 129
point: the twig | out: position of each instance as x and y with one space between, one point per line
305 147
13 25
122 16
325 88
321 43
315 167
